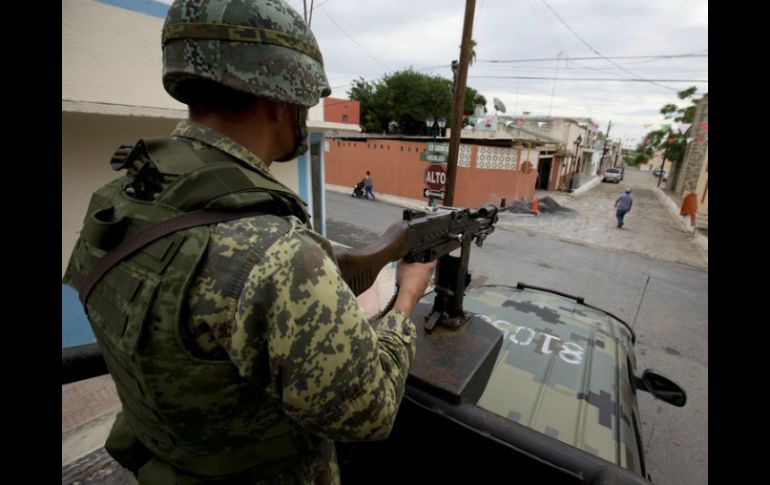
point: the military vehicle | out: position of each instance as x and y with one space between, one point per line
552 398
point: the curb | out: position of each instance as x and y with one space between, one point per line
390 199
699 240
674 210
586 187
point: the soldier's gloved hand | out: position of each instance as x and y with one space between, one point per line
412 280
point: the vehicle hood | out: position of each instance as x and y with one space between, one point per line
563 370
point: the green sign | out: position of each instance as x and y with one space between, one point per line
434 157
438 148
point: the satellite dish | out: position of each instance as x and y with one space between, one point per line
499 106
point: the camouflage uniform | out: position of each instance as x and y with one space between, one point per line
268 301
335 375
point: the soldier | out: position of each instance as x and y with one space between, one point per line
238 352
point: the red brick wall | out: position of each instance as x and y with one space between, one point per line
397 170
334 108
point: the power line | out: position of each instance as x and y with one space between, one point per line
354 40
673 56
597 52
320 5
381 77
547 29
550 31
598 79
576 67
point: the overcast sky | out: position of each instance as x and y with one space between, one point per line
369 39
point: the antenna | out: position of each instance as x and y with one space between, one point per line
640 300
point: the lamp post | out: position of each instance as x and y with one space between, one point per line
578 141
439 123
576 169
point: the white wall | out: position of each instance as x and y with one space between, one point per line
88 142
112 55
286 173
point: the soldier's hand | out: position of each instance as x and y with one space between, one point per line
412 280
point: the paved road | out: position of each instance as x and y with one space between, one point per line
671 299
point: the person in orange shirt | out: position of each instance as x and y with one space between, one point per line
690 207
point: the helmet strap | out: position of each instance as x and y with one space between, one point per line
300 142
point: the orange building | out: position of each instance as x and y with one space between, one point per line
342 111
486 173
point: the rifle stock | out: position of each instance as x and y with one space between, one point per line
360 267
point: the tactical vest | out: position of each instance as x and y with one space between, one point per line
195 413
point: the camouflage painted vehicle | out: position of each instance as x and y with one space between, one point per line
538 386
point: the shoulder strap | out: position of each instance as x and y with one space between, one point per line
150 234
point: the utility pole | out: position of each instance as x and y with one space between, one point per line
662 162
604 148
459 102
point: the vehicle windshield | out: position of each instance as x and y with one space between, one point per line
613 170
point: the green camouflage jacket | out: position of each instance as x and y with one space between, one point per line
293 330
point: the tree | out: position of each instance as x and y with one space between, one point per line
671 142
473 53
472 98
401 101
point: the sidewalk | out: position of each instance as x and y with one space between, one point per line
673 204
389 199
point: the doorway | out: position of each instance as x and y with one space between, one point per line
543 173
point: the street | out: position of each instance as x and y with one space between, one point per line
647 273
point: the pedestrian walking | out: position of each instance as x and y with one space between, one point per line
623 205
368 185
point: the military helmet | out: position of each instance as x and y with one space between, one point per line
259 47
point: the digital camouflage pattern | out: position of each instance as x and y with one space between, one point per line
260 47
563 370
253 355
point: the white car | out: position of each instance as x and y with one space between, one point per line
612 175
657 173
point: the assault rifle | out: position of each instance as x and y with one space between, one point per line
424 237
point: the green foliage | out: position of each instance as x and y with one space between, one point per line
685 114
407 98
472 98
660 138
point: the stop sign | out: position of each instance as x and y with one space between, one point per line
435 177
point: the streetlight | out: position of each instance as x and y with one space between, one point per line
429 123
578 141
576 170
439 123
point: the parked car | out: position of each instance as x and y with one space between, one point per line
657 172
622 172
612 175
553 396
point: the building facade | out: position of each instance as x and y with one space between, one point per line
486 172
